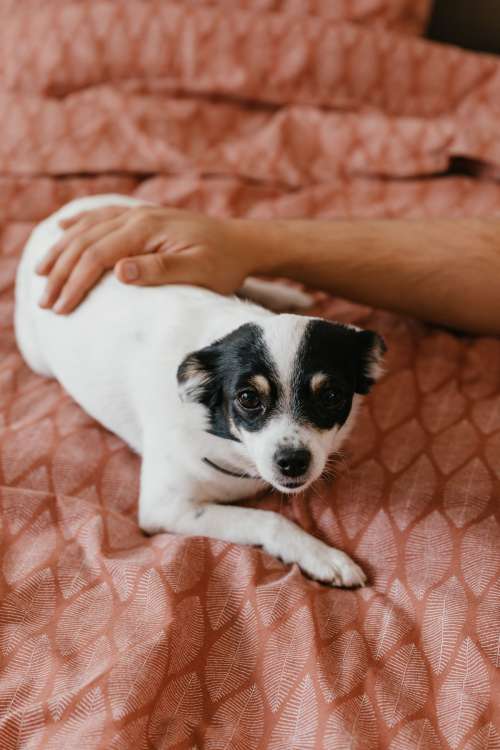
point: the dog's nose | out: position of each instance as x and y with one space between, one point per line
293 462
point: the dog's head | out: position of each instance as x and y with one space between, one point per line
286 388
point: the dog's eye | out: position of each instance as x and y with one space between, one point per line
330 397
249 400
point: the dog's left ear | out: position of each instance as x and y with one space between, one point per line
371 350
196 374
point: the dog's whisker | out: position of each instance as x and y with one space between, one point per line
339 462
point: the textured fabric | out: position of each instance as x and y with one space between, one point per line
112 640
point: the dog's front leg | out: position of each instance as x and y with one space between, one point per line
274 533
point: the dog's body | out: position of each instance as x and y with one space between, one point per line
220 397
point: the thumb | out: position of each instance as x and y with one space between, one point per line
158 268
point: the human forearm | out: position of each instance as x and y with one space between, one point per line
444 271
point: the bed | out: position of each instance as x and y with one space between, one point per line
263 108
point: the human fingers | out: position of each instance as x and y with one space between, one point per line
83 223
94 215
159 268
69 257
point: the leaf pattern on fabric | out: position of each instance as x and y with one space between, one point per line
134 734
84 618
389 619
443 407
25 555
286 654
412 492
404 674
16 511
352 725
78 672
298 724
419 734
72 516
488 624
238 723
186 633
183 563
402 445
444 618
335 611
467 493
464 694
335 680
453 447
25 447
85 725
277 598
177 711
228 581
137 675
77 567
25 678
26 609
378 548
486 737
479 559
358 493
147 613
395 399
81 447
428 553
231 660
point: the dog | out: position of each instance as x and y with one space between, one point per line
221 397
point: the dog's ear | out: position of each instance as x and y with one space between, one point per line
197 374
371 350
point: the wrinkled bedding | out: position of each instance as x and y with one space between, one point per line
112 640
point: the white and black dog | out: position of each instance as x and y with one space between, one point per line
221 397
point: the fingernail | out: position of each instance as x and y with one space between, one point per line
58 307
43 301
130 271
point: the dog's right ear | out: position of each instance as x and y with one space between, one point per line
197 375
371 350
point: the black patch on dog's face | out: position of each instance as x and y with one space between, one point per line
345 358
223 370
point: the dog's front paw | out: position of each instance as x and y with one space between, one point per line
317 560
332 566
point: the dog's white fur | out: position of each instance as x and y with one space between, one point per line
117 355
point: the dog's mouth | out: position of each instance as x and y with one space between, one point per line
291 486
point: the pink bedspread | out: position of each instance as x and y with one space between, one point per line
112 640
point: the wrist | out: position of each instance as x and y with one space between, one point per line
267 245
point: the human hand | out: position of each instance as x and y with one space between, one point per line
146 245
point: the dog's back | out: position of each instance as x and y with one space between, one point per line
29 318
123 343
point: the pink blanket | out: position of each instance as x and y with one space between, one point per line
284 108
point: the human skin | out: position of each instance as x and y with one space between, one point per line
445 271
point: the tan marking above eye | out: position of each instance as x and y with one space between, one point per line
261 384
317 380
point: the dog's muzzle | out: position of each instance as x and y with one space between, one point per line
292 465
